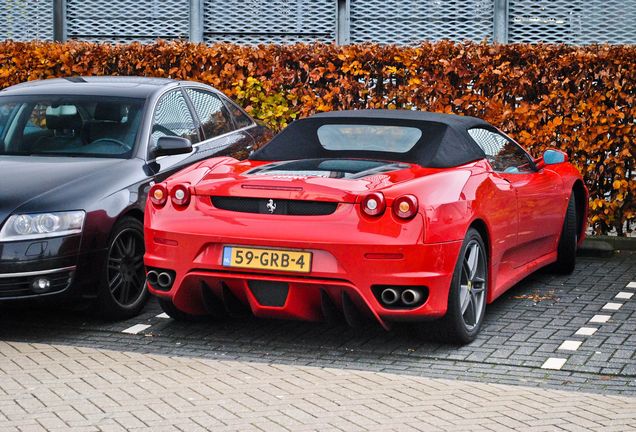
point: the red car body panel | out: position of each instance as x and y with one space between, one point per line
521 214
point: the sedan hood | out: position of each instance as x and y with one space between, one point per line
26 181
341 180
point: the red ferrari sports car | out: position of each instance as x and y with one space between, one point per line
390 215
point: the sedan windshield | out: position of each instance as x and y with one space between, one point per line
87 126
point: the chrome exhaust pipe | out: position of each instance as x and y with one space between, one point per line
411 297
389 296
152 277
164 280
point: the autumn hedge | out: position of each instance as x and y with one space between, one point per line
579 99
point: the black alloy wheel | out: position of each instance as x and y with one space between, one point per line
566 249
123 292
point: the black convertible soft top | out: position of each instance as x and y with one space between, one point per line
444 143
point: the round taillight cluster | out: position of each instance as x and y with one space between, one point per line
179 195
159 195
373 204
404 207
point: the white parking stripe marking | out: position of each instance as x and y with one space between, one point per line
586 331
624 295
163 315
136 328
554 363
600 318
612 306
631 285
570 345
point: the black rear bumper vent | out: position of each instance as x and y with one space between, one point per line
269 293
275 206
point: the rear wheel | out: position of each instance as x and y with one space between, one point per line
122 291
566 250
467 296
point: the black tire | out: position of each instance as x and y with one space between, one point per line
467 296
122 287
171 310
566 250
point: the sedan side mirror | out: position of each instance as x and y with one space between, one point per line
552 156
171 145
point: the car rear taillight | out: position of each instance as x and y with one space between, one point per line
405 207
373 204
180 195
158 195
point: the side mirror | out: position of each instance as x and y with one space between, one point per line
171 145
551 157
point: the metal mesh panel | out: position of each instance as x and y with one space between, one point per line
127 20
269 21
572 22
26 19
414 21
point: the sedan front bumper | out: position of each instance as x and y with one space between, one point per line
43 267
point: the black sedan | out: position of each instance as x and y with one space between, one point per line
77 157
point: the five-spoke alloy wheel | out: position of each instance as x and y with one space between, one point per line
472 288
468 292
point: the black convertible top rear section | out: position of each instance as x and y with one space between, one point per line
444 143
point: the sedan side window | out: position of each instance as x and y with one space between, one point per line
214 117
172 118
503 154
241 120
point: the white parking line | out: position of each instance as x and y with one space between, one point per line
136 328
600 319
570 345
163 315
554 363
586 331
557 363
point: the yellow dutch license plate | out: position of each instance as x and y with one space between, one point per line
267 259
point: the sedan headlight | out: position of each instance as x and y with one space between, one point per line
42 225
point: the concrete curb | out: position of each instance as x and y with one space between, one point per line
604 246
618 243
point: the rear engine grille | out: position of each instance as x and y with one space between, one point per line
272 206
21 286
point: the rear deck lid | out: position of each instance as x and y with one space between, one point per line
337 180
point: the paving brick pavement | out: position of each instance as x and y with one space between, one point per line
523 329
65 388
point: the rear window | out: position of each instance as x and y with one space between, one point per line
357 137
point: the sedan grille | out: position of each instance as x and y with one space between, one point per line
272 206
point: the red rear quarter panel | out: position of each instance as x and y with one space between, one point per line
454 200
570 176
